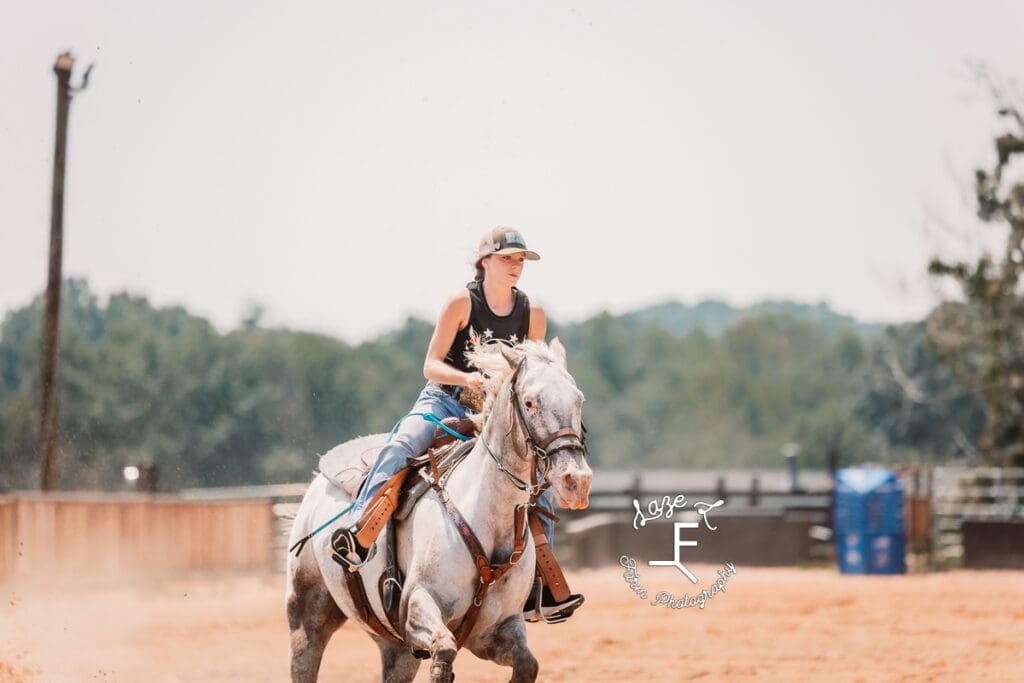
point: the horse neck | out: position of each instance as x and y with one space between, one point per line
484 494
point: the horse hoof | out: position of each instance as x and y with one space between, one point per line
441 672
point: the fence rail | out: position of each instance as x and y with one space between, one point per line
972 494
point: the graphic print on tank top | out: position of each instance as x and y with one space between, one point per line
485 326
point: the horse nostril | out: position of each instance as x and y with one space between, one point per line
569 482
586 485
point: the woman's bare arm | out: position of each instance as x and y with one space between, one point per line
538 323
453 317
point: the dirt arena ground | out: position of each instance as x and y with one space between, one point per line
769 625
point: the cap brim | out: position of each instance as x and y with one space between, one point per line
530 255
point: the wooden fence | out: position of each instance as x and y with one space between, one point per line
86 535
978 494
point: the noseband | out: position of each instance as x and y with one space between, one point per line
541 447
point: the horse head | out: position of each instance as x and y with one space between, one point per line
535 399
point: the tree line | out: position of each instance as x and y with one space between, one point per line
669 386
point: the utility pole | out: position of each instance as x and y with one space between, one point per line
49 403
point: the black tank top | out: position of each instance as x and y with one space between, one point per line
484 325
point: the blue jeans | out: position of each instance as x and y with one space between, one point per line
412 438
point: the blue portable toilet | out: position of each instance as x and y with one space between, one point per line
868 521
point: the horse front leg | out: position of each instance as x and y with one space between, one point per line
397 663
425 630
506 645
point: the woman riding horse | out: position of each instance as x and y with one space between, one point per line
490 308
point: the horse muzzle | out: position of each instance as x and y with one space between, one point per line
572 488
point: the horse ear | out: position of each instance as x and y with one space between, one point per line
558 349
510 356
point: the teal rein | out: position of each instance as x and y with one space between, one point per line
302 541
429 417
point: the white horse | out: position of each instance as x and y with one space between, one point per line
532 418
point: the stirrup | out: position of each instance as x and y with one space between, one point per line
345 550
551 614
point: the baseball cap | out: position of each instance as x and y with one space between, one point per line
502 240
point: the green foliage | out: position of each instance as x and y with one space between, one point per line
913 400
982 339
142 385
696 401
733 388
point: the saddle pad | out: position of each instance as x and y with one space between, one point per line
347 465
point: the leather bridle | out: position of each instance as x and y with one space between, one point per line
541 448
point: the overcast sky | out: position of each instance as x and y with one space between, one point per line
337 161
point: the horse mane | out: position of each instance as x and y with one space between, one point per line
488 359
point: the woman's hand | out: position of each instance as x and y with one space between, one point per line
472 397
475 382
